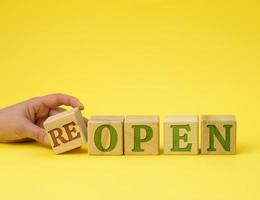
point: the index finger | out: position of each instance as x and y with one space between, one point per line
56 100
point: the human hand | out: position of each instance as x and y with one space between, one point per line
24 120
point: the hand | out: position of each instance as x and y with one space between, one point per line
25 120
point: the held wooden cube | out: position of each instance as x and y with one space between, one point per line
66 130
141 135
181 134
105 135
218 134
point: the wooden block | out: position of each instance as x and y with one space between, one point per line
141 135
181 134
66 130
218 134
105 135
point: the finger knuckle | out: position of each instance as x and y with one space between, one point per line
59 94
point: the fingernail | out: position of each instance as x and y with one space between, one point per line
81 107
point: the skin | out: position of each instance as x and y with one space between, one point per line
24 121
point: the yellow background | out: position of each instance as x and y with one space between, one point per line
133 57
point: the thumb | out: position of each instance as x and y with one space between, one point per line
37 133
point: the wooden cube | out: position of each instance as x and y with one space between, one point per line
181 134
66 130
218 134
141 135
105 135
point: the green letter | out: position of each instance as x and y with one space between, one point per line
98 138
214 131
177 138
137 136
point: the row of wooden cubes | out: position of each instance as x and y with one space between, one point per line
139 135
